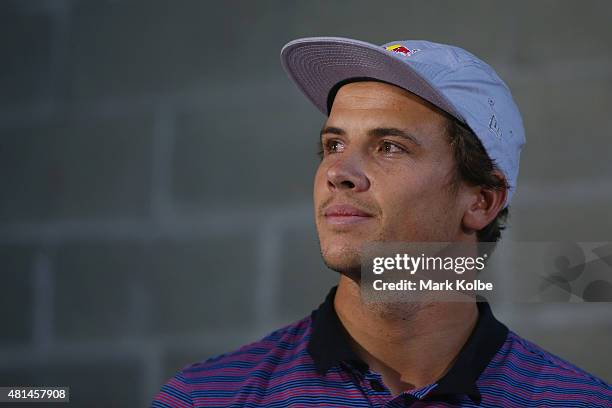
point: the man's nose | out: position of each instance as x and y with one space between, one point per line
347 174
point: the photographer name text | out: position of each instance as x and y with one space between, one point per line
432 285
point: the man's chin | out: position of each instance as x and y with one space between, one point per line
351 268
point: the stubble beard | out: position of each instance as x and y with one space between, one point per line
348 262
349 265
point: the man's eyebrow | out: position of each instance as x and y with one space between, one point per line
333 130
376 132
391 131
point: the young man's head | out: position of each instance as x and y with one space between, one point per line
422 143
389 172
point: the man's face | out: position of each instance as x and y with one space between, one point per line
386 174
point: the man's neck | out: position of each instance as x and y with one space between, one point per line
411 345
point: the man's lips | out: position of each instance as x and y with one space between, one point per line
343 214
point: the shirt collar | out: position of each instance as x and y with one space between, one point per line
329 345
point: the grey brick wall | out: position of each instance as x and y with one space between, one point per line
156 168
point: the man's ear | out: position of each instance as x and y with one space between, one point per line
485 204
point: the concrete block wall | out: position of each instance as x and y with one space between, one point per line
156 173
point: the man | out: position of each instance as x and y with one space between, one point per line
422 144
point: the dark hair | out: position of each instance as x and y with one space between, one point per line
474 166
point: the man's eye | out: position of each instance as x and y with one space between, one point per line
333 146
388 148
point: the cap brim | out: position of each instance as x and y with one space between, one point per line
316 64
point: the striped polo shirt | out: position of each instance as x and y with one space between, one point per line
311 364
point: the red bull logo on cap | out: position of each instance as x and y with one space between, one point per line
400 49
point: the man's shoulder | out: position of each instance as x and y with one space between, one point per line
549 362
534 372
278 347
222 378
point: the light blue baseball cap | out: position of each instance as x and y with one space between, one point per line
449 77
